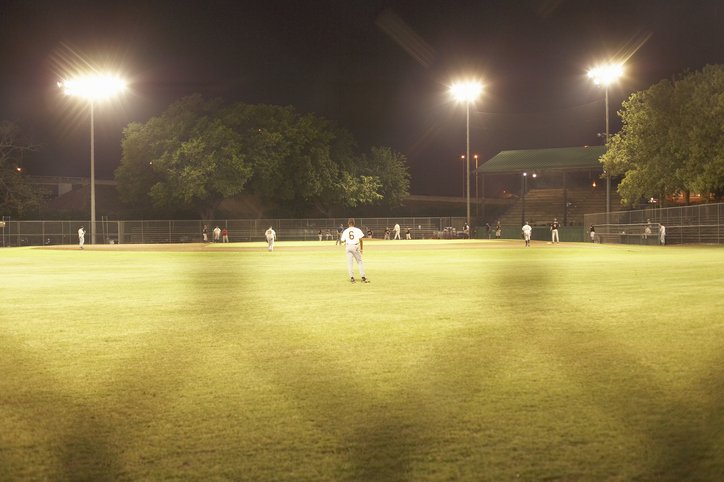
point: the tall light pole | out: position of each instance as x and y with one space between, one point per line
605 75
467 92
93 88
477 198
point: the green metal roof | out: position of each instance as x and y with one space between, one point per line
561 158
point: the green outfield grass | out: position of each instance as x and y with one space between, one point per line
460 361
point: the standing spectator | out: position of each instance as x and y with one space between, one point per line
217 234
225 235
205 233
526 234
396 230
466 231
81 236
592 231
662 234
554 231
319 234
339 235
352 238
498 230
271 236
408 234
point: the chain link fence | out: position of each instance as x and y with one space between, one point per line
700 224
36 233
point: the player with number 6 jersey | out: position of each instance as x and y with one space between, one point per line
352 239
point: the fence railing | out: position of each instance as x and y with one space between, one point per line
700 224
35 233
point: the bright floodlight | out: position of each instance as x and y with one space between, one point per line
93 87
605 74
466 91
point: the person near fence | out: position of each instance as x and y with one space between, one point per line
396 230
554 231
271 236
498 230
81 236
647 231
205 233
339 235
217 234
592 231
662 234
408 234
352 237
320 235
526 234
225 235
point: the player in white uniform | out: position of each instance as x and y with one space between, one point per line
271 236
352 238
81 236
526 234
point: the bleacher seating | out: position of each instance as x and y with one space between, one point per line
542 205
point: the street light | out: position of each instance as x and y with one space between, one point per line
467 92
477 198
93 88
605 75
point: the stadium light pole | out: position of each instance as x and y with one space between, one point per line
477 198
467 92
605 75
93 88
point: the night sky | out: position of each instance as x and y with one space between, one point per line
379 68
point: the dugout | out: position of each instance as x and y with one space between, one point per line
540 184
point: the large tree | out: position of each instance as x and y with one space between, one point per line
199 152
17 196
185 159
672 139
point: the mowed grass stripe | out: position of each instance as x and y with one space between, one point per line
569 362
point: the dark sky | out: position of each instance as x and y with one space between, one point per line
379 68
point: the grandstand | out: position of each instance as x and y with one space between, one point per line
542 205
563 183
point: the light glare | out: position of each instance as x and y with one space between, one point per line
93 87
466 91
605 74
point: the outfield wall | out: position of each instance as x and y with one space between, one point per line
36 233
700 224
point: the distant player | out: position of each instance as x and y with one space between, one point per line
396 230
81 236
662 234
271 236
554 231
592 230
526 234
352 238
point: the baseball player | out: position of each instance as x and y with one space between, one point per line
526 234
352 238
271 236
81 236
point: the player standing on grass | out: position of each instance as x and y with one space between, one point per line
526 234
352 238
271 236
81 236
554 231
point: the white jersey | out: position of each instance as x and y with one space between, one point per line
81 233
271 234
352 235
526 231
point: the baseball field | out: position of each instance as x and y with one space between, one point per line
461 360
